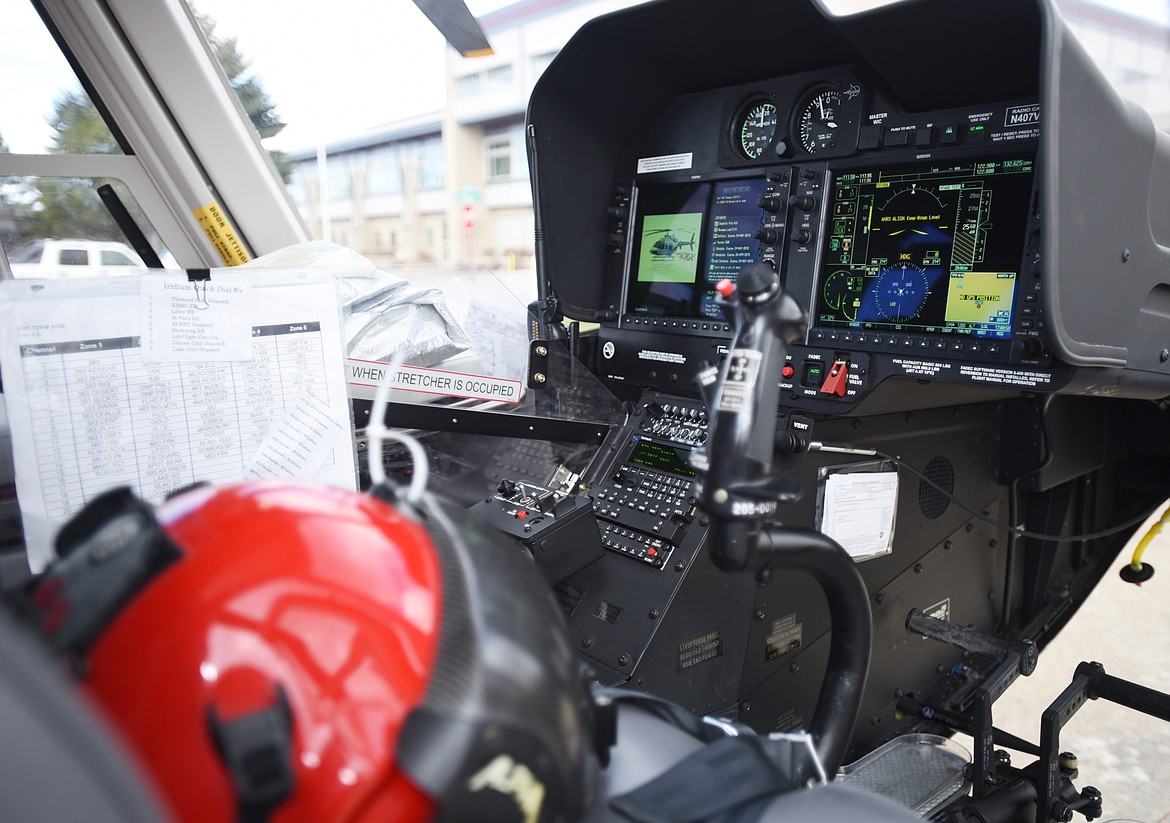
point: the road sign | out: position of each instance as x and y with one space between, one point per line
468 193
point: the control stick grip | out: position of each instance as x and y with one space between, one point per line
743 401
739 493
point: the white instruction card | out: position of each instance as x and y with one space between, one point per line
858 512
498 329
299 444
195 321
89 411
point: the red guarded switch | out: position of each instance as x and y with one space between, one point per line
837 380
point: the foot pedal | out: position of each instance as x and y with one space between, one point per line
922 772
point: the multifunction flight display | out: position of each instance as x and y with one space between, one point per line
925 249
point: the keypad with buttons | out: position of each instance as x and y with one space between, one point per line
644 511
653 551
645 491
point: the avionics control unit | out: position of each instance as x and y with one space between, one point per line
911 240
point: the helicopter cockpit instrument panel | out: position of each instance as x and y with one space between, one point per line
906 208
907 238
977 322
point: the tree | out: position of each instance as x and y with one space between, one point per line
253 98
8 190
78 128
256 102
66 208
55 207
72 208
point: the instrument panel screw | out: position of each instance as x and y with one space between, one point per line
623 660
1125 254
587 641
1164 355
653 614
539 377
542 351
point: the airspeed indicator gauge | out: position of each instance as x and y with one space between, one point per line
754 129
816 126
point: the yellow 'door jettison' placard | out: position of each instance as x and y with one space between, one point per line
222 235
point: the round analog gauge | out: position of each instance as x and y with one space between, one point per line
817 125
754 128
900 292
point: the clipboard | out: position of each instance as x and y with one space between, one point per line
857 505
160 380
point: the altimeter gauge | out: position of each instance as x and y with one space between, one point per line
816 126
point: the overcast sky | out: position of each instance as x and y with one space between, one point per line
358 65
334 68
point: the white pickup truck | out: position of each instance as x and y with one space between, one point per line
74 258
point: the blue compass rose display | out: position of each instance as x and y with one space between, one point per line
900 292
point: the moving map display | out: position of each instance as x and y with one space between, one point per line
926 248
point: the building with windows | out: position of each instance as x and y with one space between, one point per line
1133 53
382 193
483 125
452 186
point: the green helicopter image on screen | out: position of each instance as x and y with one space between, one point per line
668 253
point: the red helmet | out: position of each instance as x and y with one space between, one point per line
287 652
